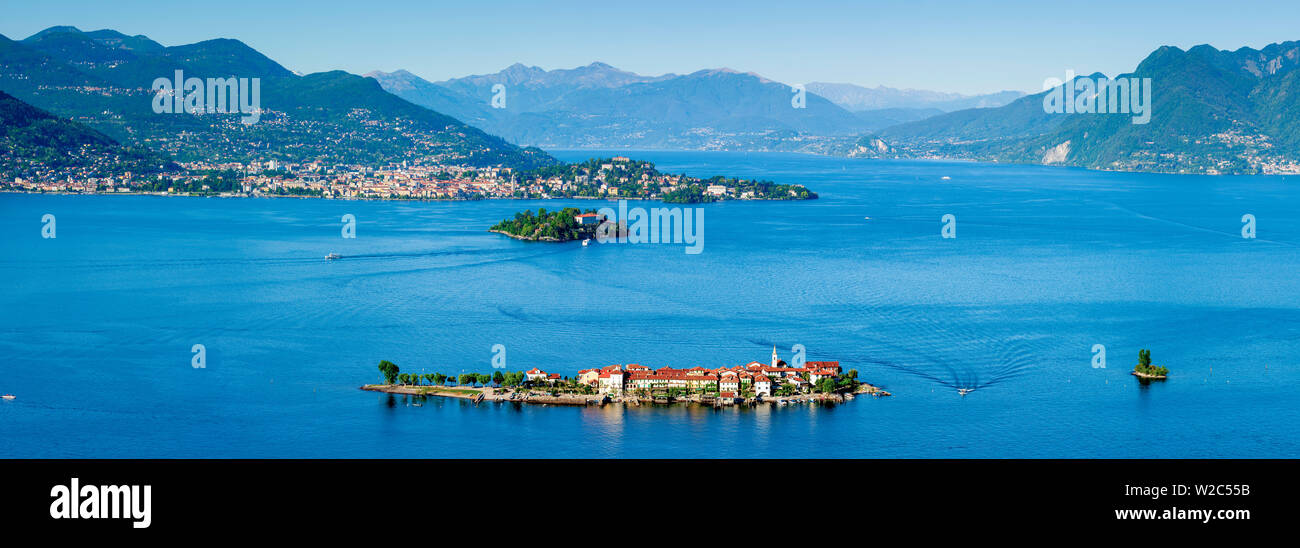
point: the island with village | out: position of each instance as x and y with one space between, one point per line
755 383
616 178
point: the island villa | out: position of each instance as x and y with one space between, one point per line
729 382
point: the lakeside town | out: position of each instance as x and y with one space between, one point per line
619 177
775 383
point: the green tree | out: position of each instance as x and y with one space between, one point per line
498 378
389 370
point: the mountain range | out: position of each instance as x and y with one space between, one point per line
103 79
1213 111
34 143
599 106
858 98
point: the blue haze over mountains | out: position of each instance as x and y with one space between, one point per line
598 105
1214 111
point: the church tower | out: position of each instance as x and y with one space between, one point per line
774 360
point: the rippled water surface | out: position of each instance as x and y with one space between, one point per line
97 325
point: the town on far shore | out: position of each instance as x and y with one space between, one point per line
619 177
776 382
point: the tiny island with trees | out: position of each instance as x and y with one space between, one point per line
561 225
635 385
1145 370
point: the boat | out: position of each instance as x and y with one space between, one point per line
9 397
586 242
964 391
333 256
945 178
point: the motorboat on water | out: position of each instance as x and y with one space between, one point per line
9 397
964 391
333 256
586 242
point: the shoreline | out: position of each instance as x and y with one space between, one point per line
384 199
541 397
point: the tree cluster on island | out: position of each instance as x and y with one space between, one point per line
553 226
392 375
1144 366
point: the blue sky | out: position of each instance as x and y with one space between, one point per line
958 46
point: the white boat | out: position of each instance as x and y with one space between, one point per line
945 178
964 391
586 242
9 397
333 256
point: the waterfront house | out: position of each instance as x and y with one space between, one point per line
817 366
535 374
610 380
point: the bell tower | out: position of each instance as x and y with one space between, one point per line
774 360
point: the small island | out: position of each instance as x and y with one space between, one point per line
1144 369
562 225
775 383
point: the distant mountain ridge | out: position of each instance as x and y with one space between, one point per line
34 142
598 105
1213 111
102 78
858 98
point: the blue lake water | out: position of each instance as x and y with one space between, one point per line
96 325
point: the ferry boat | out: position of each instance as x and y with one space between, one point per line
333 256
